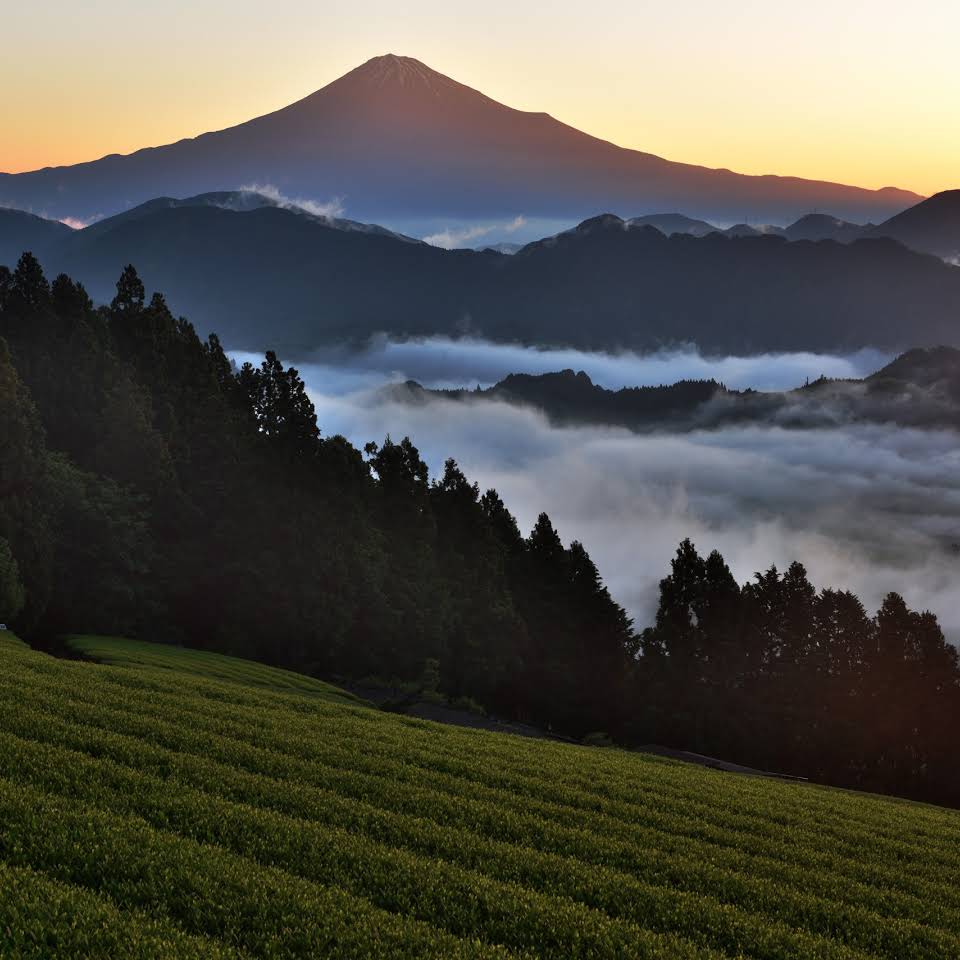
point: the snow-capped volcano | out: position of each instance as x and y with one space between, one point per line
394 139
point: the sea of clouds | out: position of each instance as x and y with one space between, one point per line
466 362
871 508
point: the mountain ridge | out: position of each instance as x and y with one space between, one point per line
272 276
931 226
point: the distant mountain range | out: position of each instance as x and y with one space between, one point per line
921 388
505 246
262 274
932 226
670 223
397 140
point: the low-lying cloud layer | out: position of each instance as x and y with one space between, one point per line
868 507
451 238
445 362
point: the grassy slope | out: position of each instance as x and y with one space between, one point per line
117 651
179 804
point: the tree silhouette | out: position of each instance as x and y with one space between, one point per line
130 294
29 285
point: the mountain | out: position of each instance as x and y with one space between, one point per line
21 231
573 398
237 201
504 246
936 368
811 226
760 230
265 275
932 226
396 139
822 226
261 273
670 223
920 388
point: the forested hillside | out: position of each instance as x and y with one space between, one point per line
604 285
148 488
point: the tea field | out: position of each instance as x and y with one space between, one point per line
159 802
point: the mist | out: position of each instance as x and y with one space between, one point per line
443 362
452 232
331 209
452 238
870 508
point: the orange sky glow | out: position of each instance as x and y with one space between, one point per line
861 93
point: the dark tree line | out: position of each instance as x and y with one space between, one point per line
149 488
776 675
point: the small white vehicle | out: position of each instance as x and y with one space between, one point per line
3 626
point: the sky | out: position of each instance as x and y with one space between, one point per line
856 92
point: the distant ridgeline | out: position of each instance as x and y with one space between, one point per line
920 388
261 274
148 488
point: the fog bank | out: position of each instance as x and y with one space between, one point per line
444 362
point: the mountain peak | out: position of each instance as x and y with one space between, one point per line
603 221
391 67
393 72
932 226
945 199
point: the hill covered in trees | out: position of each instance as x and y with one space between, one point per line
149 488
921 388
603 285
930 226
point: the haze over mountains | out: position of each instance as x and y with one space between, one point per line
396 140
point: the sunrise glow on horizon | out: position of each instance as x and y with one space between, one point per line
845 93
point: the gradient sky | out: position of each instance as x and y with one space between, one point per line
846 90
